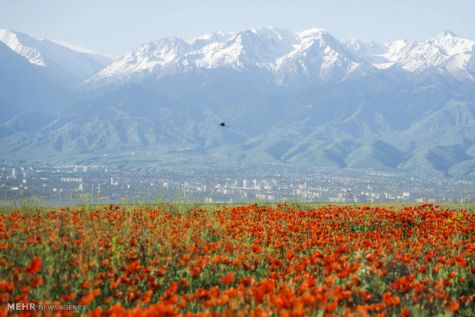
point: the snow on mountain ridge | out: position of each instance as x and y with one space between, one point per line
311 33
445 53
322 56
267 48
17 42
236 50
53 56
452 44
311 53
203 40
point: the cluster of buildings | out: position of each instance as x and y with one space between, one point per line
71 184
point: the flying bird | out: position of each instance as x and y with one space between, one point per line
222 124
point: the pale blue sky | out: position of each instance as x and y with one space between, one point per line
115 27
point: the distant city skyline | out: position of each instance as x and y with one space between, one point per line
115 27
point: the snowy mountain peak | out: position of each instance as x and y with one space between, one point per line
172 42
170 47
210 38
448 33
23 45
356 44
451 43
54 57
446 53
311 33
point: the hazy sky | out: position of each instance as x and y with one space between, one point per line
115 27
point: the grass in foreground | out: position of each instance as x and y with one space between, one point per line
241 260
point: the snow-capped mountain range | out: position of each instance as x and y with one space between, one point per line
290 97
312 53
446 53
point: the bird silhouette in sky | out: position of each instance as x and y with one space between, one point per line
223 125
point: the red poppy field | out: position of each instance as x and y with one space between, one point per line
250 260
